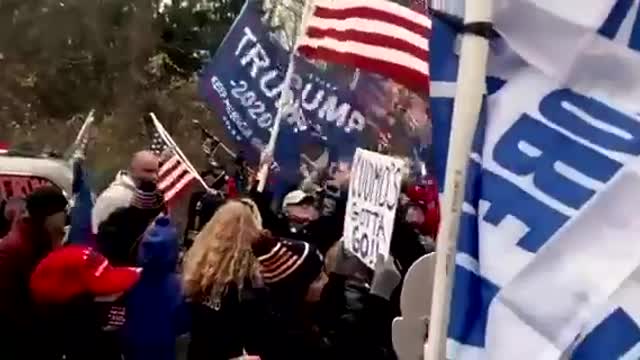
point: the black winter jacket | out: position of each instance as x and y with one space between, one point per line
321 233
202 207
348 323
239 321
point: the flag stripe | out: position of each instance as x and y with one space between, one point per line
168 177
416 80
171 177
169 166
368 13
376 53
364 36
398 34
377 36
175 184
383 6
175 190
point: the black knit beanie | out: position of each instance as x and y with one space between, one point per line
289 266
46 201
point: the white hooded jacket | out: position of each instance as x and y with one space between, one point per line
117 195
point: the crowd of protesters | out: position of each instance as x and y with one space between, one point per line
244 280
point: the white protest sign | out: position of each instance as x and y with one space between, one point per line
374 189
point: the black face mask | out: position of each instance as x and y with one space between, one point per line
80 315
295 227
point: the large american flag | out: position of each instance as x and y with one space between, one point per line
174 174
377 36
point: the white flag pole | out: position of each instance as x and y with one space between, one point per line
284 101
286 98
79 146
226 149
470 88
82 134
166 137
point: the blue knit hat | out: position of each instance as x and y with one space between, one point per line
159 248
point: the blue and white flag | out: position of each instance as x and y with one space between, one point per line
548 262
564 40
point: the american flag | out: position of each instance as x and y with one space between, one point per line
378 36
174 175
4 148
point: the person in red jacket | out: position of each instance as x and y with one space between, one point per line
32 237
10 210
77 295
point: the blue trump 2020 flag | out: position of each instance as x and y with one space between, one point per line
548 264
335 108
245 79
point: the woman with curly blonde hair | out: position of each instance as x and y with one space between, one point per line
222 280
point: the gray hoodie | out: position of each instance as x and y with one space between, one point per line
117 195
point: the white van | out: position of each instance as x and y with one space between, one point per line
20 175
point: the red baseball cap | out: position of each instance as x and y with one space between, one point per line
77 270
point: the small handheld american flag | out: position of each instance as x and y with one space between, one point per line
174 174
